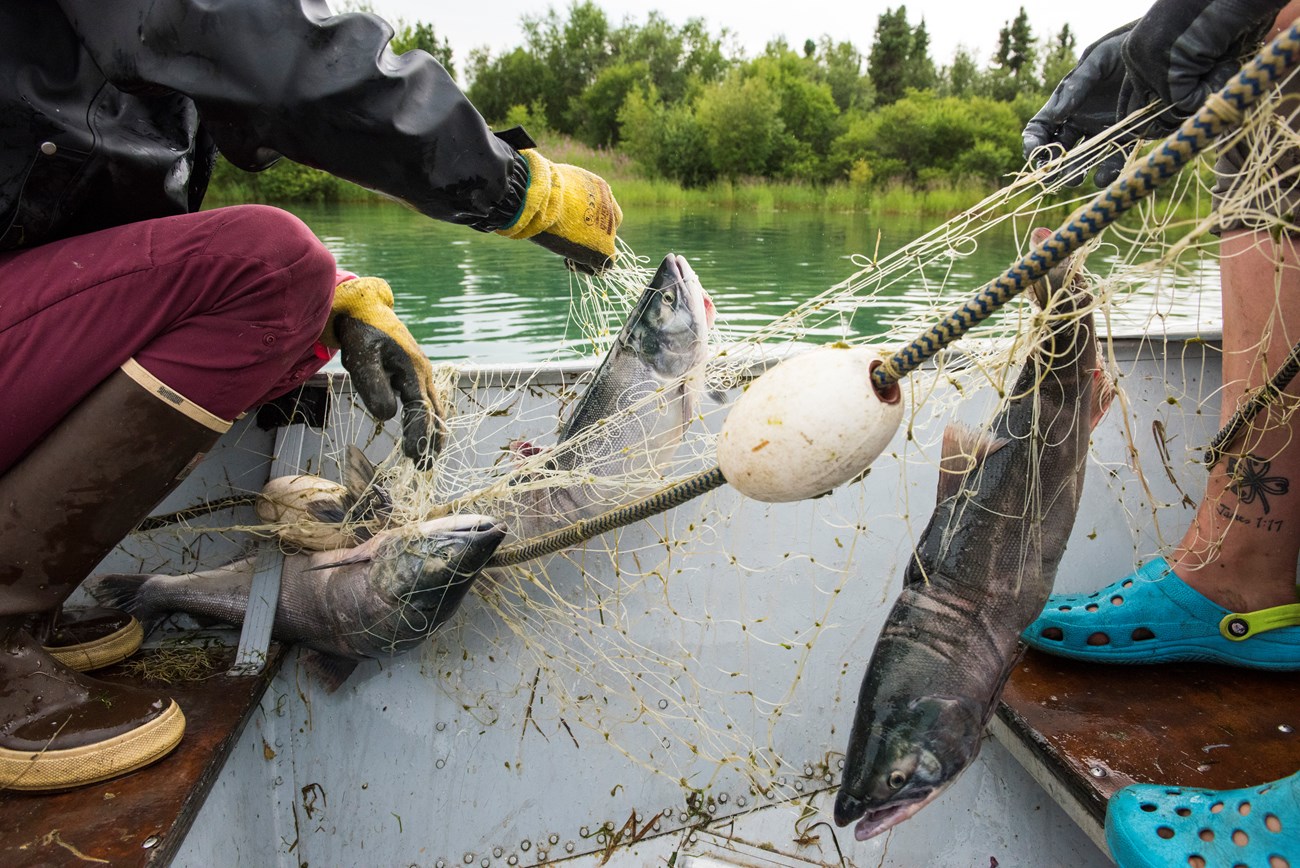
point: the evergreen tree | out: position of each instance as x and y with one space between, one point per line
1060 58
1015 59
920 67
962 78
891 50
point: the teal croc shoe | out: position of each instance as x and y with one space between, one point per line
1158 826
1152 616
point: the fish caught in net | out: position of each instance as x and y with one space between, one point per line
623 640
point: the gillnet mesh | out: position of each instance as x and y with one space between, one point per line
573 624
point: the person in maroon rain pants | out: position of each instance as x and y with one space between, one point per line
134 327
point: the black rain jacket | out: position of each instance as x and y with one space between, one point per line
111 111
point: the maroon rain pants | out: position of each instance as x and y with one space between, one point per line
224 307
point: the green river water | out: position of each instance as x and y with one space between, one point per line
481 298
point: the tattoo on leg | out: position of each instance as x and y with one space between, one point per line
1251 482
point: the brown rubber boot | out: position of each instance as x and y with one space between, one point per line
61 729
63 507
89 638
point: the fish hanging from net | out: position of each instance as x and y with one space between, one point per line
569 624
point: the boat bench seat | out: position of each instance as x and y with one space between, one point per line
1084 731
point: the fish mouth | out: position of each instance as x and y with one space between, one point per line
676 271
484 533
703 308
478 535
877 820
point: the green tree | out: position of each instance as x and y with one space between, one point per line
961 78
703 60
602 101
1060 58
676 60
810 119
924 138
1015 59
887 63
572 51
666 142
500 84
741 120
899 57
658 47
839 65
421 35
920 66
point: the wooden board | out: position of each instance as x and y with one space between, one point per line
1100 728
141 818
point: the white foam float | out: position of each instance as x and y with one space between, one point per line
810 424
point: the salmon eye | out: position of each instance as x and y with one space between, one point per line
669 297
896 780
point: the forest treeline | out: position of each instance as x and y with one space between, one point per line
680 104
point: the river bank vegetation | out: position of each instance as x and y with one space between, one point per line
670 114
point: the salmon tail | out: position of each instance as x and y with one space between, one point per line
964 449
123 591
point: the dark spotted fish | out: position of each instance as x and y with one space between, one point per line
982 571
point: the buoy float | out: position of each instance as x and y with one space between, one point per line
808 425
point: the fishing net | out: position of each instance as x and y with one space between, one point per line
625 640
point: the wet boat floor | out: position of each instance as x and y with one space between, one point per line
141 818
1100 728
1095 729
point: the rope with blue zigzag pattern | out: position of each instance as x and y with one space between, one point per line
1221 111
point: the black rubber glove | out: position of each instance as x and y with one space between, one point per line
1184 50
1081 106
386 365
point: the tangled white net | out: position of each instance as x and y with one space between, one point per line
576 617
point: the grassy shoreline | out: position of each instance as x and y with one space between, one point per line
291 182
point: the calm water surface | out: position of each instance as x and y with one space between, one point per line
483 298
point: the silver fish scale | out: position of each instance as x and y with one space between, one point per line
631 416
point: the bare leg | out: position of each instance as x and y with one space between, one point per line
1242 546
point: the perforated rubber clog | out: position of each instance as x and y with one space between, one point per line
1158 826
1152 616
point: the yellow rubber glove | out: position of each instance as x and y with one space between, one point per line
386 364
569 211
